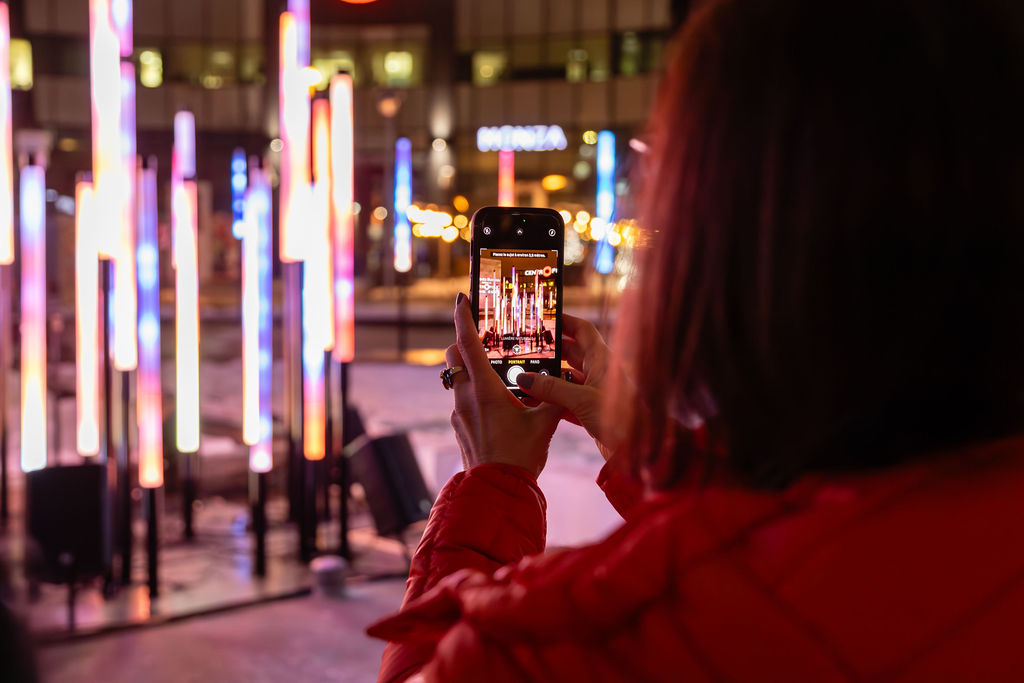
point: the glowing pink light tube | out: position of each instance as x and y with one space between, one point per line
342 155
6 142
149 401
294 112
184 227
506 177
87 358
121 20
257 318
125 295
33 318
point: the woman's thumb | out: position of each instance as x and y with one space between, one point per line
572 397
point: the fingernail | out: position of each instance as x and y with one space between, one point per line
525 379
459 299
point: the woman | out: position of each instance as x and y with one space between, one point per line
823 404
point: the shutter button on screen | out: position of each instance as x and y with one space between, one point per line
514 372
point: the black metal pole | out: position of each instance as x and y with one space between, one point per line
124 481
344 549
152 539
327 464
189 492
258 499
111 541
402 318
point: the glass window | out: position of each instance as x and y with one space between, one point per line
488 67
398 68
576 65
630 54
21 64
328 64
151 68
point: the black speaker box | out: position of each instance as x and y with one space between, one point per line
388 472
67 518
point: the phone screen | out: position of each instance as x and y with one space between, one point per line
517 289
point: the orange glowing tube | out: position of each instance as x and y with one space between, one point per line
33 318
149 401
342 153
184 229
506 177
6 142
87 358
294 112
321 243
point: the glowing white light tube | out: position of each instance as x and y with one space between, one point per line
403 197
33 318
87 358
294 112
257 320
186 287
149 406
105 93
125 294
506 177
342 155
604 257
6 142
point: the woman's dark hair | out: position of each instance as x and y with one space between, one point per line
836 273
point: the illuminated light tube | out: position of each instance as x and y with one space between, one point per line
87 358
121 20
105 93
149 405
506 178
33 318
604 257
6 142
342 195
239 183
403 197
300 8
321 252
258 250
125 282
294 112
184 238
316 325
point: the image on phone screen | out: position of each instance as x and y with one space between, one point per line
517 289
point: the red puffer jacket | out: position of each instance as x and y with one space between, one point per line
910 574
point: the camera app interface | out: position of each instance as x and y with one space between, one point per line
518 310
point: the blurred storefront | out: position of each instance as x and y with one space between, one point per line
452 74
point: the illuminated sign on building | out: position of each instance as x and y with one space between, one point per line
520 138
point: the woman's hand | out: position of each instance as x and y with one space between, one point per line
491 424
585 399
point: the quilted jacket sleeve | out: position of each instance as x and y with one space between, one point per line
485 518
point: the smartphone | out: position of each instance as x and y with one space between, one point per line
516 285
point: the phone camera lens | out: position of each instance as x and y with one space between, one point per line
552 232
519 232
487 230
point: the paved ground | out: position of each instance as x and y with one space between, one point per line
313 638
